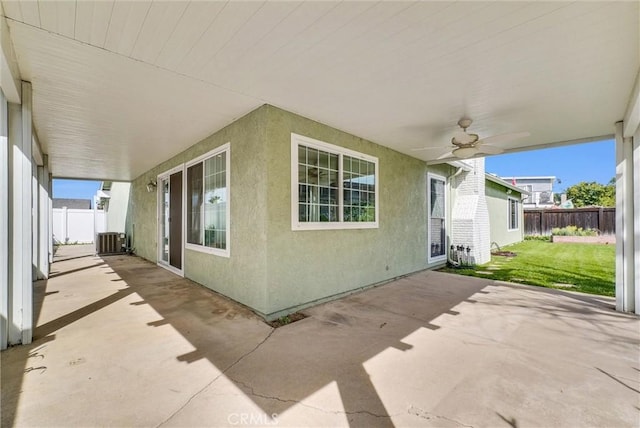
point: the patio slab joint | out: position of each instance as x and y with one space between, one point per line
423 414
222 373
250 391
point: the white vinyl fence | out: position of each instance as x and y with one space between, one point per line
77 226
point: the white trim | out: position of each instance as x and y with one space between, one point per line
210 153
296 225
539 178
442 258
461 164
5 146
225 148
625 263
636 217
517 201
503 183
159 238
9 70
632 115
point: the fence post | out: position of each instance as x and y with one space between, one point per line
65 223
601 219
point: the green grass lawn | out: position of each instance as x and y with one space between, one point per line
588 268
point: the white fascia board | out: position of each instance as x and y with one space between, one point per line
36 150
501 182
632 115
9 72
541 177
461 164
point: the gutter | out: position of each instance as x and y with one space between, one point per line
501 182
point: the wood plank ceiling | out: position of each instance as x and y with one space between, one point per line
121 86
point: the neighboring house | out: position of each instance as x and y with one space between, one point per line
279 212
505 202
113 198
76 204
540 190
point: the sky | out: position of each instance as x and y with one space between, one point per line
570 164
75 189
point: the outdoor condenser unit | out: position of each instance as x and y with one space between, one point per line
110 243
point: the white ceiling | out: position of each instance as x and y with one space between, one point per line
119 87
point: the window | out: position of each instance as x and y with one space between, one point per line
207 201
436 227
527 188
332 187
513 214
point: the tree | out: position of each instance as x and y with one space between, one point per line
586 194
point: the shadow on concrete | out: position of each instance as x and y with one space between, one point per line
310 365
55 274
510 421
63 321
330 346
318 357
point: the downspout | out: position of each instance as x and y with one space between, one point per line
449 248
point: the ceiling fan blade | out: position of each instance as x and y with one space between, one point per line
449 154
504 138
419 149
490 150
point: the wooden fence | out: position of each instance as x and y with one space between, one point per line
541 221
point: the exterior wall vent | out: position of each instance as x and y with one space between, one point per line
110 243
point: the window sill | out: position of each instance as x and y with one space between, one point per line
333 226
438 259
208 250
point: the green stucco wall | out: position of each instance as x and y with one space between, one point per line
271 268
305 266
242 276
498 215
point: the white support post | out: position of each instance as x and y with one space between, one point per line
35 219
625 299
630 265
44 231
21 276
636 217
50 212
4 223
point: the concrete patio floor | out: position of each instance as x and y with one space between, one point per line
121 342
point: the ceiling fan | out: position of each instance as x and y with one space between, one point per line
466 145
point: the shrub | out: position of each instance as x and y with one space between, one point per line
545 238
574 231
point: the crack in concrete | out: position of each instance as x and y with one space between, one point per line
283 400
416 411
242 357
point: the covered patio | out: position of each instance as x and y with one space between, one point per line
121 342
107 90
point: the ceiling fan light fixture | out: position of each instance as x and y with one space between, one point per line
464 138
465 152
465 122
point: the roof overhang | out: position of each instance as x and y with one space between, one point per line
506 184
119 87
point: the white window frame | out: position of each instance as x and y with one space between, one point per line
297 225
162 176
200 159
442 258
509 199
